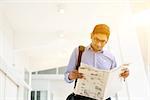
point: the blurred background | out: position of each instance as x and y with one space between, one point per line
38 36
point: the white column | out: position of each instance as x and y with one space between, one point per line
137 83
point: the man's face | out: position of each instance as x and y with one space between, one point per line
98 41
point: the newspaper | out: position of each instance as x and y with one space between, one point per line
98 84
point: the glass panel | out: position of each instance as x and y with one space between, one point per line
38 95
33 73
49 71
32 95
61 70
43 95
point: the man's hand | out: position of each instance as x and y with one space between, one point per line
74 75
124 73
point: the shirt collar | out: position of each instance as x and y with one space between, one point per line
90 48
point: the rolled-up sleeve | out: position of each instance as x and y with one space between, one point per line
71 65
67 79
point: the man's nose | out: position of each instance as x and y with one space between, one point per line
99 44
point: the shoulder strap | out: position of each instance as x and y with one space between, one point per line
81 50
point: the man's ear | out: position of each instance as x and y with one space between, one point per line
91 35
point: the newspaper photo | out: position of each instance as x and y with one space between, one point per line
98 84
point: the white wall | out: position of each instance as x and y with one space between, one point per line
6 40
10 85
11 77
6 87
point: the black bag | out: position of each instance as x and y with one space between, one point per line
81 49
71 97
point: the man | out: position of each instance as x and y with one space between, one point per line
93 55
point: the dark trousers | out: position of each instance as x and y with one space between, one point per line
78 97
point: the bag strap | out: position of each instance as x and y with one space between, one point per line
81 50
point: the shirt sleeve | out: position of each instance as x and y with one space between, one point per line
71 65
114 64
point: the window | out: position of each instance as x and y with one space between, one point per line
32 95
49 71
33 73
61 70
39 95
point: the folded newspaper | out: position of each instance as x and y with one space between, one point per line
98 84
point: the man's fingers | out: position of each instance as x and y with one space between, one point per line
80 75
124 74
75 74
74 71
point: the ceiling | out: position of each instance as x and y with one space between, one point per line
46 31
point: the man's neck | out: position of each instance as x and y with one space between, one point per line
95 49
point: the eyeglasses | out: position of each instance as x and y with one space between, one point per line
96 40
